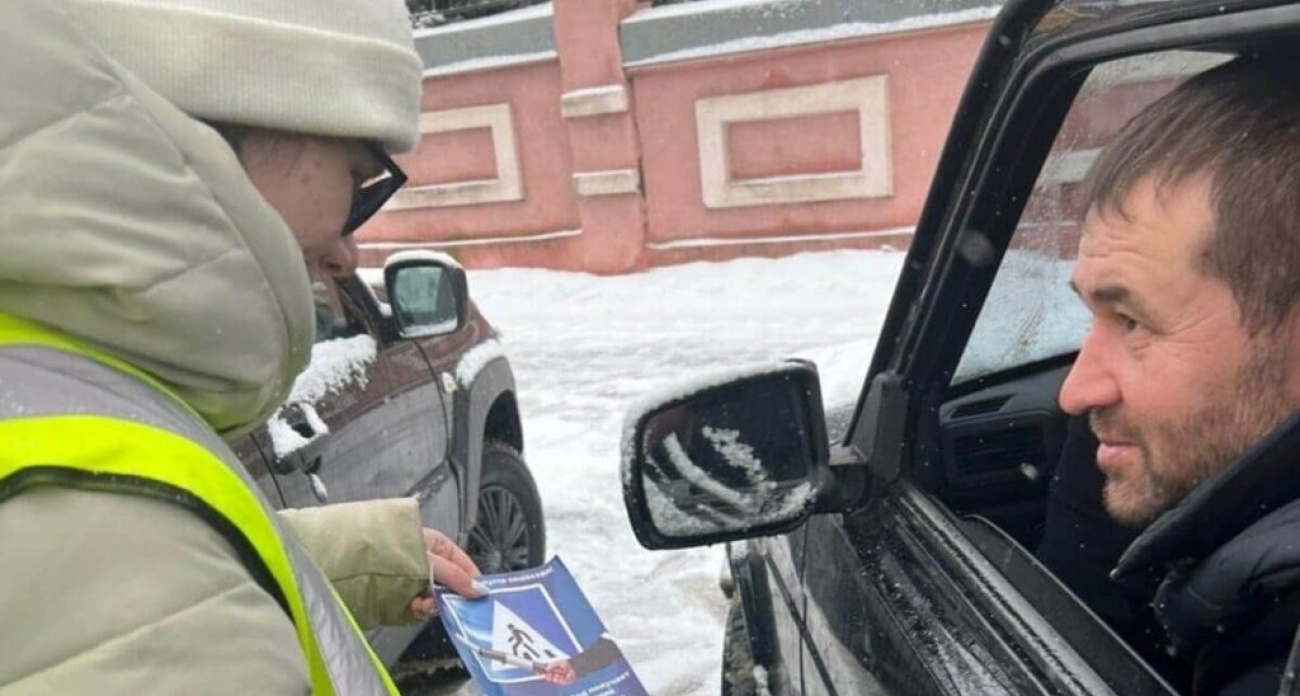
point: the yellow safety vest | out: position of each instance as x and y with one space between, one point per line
55 439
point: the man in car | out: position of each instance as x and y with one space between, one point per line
1189 262
155 298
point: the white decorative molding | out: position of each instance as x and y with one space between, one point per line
508 184
607 183
540 237
867 96
705 242
594 101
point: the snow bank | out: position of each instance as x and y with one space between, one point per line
586 348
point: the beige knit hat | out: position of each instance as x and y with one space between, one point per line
342 68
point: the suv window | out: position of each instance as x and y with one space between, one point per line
1030 313
331 320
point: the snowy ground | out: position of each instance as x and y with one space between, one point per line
583 348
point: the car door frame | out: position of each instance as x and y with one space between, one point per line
400 361
1024 78
316 468
412 378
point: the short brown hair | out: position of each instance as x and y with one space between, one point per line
1240 124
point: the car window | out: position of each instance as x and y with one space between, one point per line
1030 313
331 320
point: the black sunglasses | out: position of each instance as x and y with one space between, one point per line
371 195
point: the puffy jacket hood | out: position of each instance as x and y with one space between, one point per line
127 224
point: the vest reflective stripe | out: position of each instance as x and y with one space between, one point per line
67 413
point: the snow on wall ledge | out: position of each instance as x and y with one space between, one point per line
522 35
721 27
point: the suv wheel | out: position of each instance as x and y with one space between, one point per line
509 533
737 657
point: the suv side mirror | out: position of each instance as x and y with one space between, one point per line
741 455
428 293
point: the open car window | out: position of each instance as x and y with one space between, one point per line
1031 314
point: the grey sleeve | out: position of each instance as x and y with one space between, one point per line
120 594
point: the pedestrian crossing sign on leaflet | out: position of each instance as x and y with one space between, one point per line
513 635
522 623
535 634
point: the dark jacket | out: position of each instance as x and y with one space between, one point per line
1224 570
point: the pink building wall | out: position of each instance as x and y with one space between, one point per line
604 171
929 70
546 162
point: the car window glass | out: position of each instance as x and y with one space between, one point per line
331 320
1030 313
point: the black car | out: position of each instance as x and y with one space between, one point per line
409 393
902 558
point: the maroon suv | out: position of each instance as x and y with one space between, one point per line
408 394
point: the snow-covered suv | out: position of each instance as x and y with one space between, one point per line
408 394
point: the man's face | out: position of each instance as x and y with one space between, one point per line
1175 386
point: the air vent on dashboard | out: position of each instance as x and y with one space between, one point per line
999 450
980 408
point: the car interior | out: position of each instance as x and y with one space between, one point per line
1020 477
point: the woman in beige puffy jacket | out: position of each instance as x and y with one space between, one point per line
155 299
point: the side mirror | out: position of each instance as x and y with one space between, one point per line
740 455
428 293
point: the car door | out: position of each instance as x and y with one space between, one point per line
772 599
932 585
414 440
329 437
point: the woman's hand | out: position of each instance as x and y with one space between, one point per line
448 566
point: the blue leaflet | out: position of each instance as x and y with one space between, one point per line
534 623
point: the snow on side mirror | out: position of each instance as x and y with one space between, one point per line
428 292
737 455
